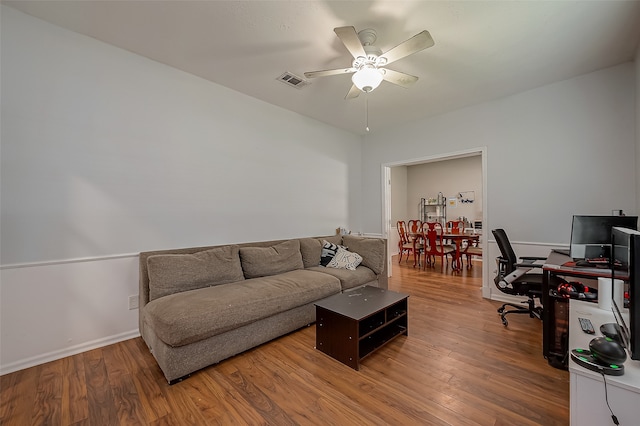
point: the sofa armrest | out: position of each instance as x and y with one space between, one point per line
372 250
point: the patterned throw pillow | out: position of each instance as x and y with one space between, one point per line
328 251
345 259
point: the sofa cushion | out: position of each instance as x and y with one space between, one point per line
311 250
372 251
345 259
265 261
173 273
333 239
350 279
180 319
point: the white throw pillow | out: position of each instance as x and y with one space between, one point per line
345 259
328 251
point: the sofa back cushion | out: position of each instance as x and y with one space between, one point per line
174 273
311 250
333 239
372 251
266 261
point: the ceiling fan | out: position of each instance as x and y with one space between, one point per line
369 63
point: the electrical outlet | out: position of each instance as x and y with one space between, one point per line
133 302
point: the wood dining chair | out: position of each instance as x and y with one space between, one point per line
455 226
437 247
471 249
430 225
405 244
426 226
415 226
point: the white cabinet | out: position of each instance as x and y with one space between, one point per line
587 391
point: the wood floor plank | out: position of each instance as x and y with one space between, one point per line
458 366
149 385
17 396
251 392
102 409
364 391
47 407
75 406
129 410
217 400
301 386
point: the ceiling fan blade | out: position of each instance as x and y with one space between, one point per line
415 44
349 38
324 73
399 78
353 92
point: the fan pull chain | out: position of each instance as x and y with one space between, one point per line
366 100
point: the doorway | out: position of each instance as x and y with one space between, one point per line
387 200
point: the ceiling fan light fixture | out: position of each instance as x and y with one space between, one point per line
367 78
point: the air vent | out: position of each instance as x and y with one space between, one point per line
291 79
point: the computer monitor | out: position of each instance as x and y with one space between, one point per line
591 235
625 254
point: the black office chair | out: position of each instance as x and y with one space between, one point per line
514 278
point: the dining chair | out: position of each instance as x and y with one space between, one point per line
437 248
455 226
430 225
415 226
470 250
426 226
401 226
405 244
424 229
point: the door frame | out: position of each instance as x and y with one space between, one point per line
386 200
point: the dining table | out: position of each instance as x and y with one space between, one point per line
458 239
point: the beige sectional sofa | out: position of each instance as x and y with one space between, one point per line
201 305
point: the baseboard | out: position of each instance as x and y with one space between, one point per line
63 353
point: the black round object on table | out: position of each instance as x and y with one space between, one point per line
607 351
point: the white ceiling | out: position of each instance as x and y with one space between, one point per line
483 49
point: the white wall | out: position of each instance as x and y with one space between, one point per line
449 177
398 205
562 149
106 154
411 183
558 150
399 186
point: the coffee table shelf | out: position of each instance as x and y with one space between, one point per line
371 342
350 326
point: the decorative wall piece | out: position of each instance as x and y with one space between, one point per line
466 196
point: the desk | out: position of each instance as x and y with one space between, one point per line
552 269
587 398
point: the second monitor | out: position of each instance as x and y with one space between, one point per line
591 235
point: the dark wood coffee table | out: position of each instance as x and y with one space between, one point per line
352 325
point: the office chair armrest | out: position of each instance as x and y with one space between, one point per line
532 258
529 265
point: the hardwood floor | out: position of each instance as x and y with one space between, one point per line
458 366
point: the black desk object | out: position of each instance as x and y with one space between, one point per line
555 316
